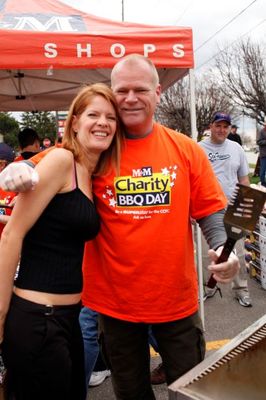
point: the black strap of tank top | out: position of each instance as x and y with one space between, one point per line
76 175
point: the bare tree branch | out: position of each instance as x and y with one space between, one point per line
243 73
174 109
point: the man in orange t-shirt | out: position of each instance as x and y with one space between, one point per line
140 271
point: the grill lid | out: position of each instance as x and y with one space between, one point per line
234 372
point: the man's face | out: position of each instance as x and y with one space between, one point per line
219 131
137 96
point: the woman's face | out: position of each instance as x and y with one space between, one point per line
96 126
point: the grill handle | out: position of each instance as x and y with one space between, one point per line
228 247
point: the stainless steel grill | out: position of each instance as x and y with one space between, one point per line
237 371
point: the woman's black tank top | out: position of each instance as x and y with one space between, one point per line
52 250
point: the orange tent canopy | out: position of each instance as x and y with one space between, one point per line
48 50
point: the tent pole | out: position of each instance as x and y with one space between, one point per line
197 236
192 105
123 15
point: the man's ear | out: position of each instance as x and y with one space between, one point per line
158 93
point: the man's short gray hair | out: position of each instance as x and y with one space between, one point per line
134 59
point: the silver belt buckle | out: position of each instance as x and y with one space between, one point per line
49 310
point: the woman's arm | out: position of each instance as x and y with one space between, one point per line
55 172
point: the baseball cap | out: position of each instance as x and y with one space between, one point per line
234 126
221 117
6 152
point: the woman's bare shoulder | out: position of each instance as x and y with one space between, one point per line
58 156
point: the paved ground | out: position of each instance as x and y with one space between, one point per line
224 319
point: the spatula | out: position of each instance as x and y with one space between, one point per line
240 217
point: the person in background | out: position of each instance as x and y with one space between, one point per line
29 144
139 270
7 156
88 320
234 136
230 165
48 228
46 143
261 142
100 371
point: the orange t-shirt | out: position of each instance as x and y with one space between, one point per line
141 266
38 156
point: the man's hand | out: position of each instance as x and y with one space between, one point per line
18 177
226 271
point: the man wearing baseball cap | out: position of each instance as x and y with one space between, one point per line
219 116
7 154
230 165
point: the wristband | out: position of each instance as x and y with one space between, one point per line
28 162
